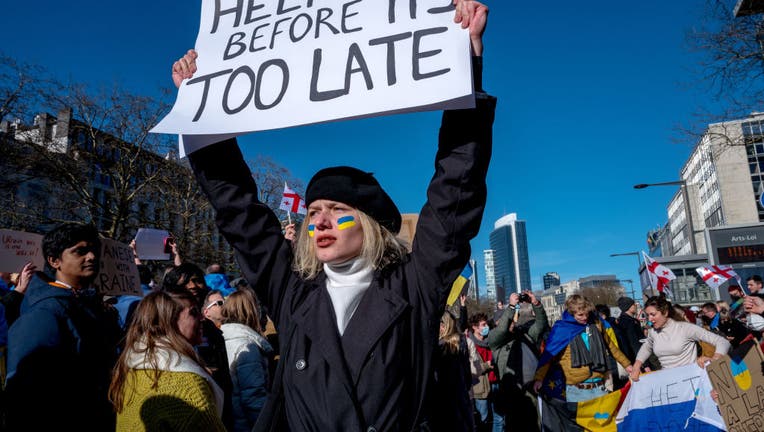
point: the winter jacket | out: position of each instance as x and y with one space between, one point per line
450 396
631 334
248 354
61 351
502 342
186 397
376 375
482 388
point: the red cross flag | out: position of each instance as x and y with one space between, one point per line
292 202
659 275
714 276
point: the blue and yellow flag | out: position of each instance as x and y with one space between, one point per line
458 285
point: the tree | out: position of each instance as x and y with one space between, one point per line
270 178
606 293
732 65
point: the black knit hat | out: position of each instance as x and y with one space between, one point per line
358 189
624 303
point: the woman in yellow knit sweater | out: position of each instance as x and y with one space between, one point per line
159 382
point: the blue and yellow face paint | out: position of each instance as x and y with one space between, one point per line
311 230
345 222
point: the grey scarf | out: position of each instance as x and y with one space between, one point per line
595 356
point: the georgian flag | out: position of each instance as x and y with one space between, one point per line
659 275
292 202
714 276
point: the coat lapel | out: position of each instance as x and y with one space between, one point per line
378 311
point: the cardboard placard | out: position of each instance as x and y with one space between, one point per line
149 244
118 274
273 64
18 248
738 379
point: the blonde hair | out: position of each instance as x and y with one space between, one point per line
449 333
578 303
154 327
380 247
241 308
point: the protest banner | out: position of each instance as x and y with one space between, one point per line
738 379
118 274
676 399
18 248
150 244
271 64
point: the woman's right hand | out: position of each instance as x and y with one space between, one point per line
634 375
184 68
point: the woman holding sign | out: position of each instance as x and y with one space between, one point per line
357 315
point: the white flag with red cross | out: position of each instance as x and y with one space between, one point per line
714 276
659 275
292 202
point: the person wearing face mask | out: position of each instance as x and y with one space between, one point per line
673 340
485 391
718 321
580 343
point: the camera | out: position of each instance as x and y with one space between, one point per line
525 298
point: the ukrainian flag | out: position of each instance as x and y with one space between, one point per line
345 222
458 285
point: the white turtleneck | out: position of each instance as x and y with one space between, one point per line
346 283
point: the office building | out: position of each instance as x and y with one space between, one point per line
551 279
511 265
490 276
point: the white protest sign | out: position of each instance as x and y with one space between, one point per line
118 274
267 64
150 244
18 248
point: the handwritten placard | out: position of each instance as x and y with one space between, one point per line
118 274
18 248
266 64
738 380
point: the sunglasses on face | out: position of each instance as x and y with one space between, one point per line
215 303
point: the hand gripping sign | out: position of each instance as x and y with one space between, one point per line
268 64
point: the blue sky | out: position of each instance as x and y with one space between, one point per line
590 97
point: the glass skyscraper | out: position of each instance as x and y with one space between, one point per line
509 242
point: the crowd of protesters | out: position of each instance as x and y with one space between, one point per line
332 324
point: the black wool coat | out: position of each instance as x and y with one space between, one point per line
375 376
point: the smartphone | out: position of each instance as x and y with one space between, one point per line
168 245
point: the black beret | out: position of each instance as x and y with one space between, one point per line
358 189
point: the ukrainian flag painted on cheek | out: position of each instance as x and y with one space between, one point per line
345 222
311 230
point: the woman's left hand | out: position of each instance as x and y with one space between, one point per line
473 15
702 361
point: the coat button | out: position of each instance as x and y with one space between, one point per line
301 364
371 429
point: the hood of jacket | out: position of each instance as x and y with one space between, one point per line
40 290
242 334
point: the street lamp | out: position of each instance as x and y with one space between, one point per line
687 205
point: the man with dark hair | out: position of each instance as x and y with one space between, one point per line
488 383
755 285
62 348
719 322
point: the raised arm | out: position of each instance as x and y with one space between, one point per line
456 195
249 226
